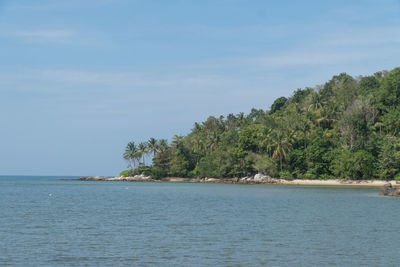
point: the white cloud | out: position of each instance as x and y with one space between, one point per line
337 48
62 5
361 38
309 58
56 37
46 36
116 83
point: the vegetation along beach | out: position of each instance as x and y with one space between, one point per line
345 132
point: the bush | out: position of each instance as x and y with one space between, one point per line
126 173
325 176
285 175
265 165
310 175
397 177
207 167
145 170
157 173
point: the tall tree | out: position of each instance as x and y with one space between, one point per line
142 148
152 145
281 142
131 154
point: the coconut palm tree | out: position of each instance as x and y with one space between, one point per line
316 102
281 142
178 144
162 145
152 146
177 140
213 141
266 142
131 154
142 148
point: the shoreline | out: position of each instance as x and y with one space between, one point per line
248 180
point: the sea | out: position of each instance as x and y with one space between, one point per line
45 221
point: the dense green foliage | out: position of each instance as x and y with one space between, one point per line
126 173
348 128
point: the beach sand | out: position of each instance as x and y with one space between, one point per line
248 180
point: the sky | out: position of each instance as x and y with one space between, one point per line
80 79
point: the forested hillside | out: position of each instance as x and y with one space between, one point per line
348 128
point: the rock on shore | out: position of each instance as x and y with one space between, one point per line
137 178
390 190
256 179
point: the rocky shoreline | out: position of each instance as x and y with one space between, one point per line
390 190
256 179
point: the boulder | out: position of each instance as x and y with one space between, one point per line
387 185
262 178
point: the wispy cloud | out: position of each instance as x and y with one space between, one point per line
47 36
360 38
70 81
53 5
337 48
309 58
56 37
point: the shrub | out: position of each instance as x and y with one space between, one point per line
310 175
157 173
126 173
285 175
325 176
265 165
146 170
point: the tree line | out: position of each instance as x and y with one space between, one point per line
348 128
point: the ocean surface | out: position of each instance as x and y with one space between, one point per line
47 222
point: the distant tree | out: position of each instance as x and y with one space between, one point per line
369 84
143 149
316 102
389 157
131 154
391 121
388 94
278 104
152 145
281 142
299 95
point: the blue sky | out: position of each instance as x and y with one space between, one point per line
79 79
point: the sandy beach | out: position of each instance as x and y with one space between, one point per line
248 180
337 182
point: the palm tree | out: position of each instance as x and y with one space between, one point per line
303 129
177 140
316 102
197 144
162 145
197 147
131 154
178 144
240 119
327 115
267 133
213 141
152 146
281 141
142 148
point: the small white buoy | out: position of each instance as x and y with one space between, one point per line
126 187
50 195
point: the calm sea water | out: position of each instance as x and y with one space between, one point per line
44 221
